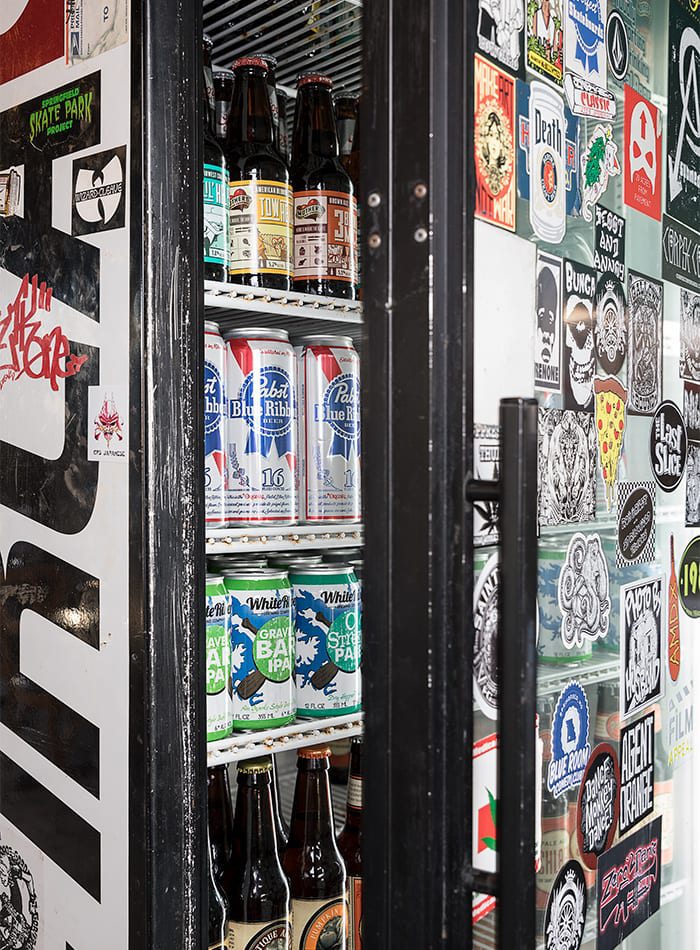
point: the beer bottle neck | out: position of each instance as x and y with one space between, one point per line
220 817
353 815
315 133
254 832
312 813
250 120
208 96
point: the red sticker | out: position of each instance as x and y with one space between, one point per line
494 144
32 34
642 155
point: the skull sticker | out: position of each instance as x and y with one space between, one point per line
579 357
610 323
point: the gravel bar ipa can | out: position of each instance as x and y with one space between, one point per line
262 648
327 621
214 424
328 374
218 647
262 428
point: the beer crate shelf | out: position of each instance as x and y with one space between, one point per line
552 678
297 538
303 732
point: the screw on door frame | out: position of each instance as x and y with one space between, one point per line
374 199
374 240
420 235
420 190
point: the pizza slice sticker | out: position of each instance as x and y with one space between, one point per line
610 421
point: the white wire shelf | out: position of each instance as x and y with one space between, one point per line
303 732
552 678
224 301
297 538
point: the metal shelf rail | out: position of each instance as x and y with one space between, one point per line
296 538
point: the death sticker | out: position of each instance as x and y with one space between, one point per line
689 579
565 916
691 411
642 155
598 804
599 163
584 592
636 523
668 446
570 740
547 136
566 467
548 300
690 336
609 250
692 486
645 298
629 885
641 612
494 144
487 459
545 40
637 771
683 137
499 32
610 425
579 357
485 637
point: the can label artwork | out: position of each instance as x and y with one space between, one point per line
260 227
214 426
325 236
218 662
329 437
262 432
262 651
327 620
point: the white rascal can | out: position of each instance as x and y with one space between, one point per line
218 660
262 428
214 424
329 433
328 626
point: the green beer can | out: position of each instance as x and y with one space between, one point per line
218 665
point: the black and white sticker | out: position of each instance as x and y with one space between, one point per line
485 637
690 335
637 772
566 467
598 804
668 446
610 323
487 459
645 297
578 350
617 45
548 302
565 916
584 592
691 411
641 645
609 249
683 137
680 254
499 32
99 192
692 486
636 523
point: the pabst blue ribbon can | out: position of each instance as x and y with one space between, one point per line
214 424
329 429
261 428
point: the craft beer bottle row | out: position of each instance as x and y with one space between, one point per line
282 428
266 223
296 889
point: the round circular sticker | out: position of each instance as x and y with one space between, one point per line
689 579
548 177
566 909
618 46
272 649
668 446
598 804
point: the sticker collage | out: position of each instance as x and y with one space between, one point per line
587 146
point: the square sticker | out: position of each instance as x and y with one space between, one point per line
642 163
108 424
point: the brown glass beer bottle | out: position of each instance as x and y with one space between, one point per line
253 882
215 184
260 196
325 206
312 861
350 845
220 817
218 913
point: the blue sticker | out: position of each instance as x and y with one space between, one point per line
570 740
571 152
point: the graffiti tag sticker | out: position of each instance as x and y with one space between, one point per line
485 637
487 461
570 740
599 163
645 299
598 804
578 350
629 885
494 144
690 335
668 446
689 579
499 32
643 162
683 136
609 249
637 772
545 40
565 916
636 523
692 486
485 803
548 299
584 591
610 425
641 612
566 467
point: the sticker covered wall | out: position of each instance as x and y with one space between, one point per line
65 311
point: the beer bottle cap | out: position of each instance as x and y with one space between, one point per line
267 58
317 78
245 61
255 766
315 752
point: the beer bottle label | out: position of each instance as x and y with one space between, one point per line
222 111
346 135
355 913
215 215
355 792
259 936
260 227
325 236
319 924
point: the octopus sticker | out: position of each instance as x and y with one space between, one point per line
584 592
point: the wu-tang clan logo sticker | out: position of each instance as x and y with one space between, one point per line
99 184
566 909
19 911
